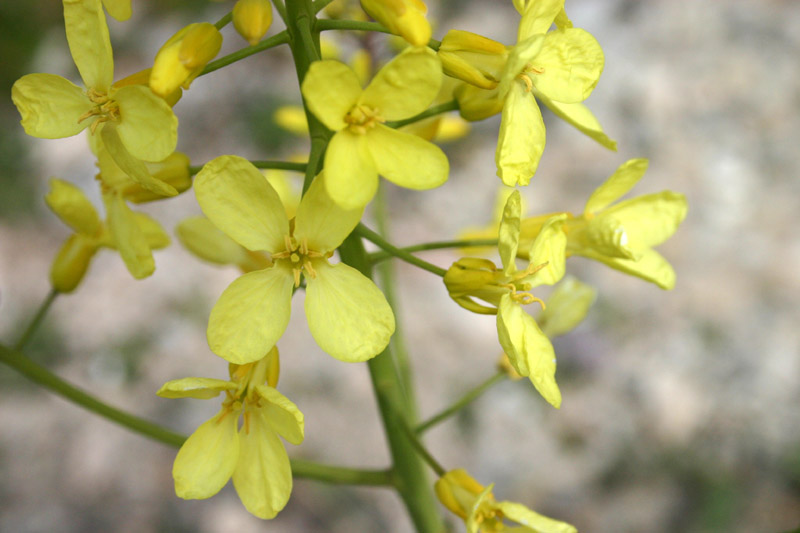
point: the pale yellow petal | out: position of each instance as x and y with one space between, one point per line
549 253
50 106
516 512
579 116
208 458
198 388
528 349
154 234
621 181
89 43
263 476
407 160
347 314
128 237
251 315
566 307
406 85
570 62
201 237
130 165
330 89
651 219
651 266
237 198
72 207
119 9
320 221
607 236
282 414
522 137
147 126
519 59
537 17
509 233
350 174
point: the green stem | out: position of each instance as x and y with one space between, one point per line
373 237
433 111
37 320
357 25
281 9
269 42
461 403
413 484
300 468
386 273
377 257
423 451
278 165
221 23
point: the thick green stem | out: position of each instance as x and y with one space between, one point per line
373 237
37 320
377 257
269 42
461 403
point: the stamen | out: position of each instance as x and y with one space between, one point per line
528 83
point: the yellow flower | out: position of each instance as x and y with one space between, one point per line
253 454
507 290
347 314
252 19
475 504
363 147
132 122
134 235
183 57
473 58
403 17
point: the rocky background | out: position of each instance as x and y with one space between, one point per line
680 408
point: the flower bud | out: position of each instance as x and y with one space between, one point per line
174 170
72 262
252 19
403 17
183 57
458 491
72 207
477 104
473 58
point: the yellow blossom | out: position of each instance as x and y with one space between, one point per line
507 290
252 19
403 17
475 504
347 314
252 455
133 123
363 147
184 56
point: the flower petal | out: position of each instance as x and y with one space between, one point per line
72 207
528 349
89 43
282 414
537 17
509 233
50 106
205 240
251 315
72 262
571 62
519 59
566 307
406 85
651 219
516 512
651 266
549 249
407 160
154 234
130 165
351 178
147 126
347 314
581 118
128 237
198 388
322 222
119 9
237 198
617 185
330 90
263 476
522 136
207 459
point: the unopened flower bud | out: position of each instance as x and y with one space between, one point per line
403 17
72 262
183 57
173 171
473 58
252 19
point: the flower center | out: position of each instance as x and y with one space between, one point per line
300 257
361 118
525 77
105 109
520 290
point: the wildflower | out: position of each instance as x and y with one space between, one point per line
132 122
403 17
475 504
507 290
347 314
253 454
184 56
134 235
363 147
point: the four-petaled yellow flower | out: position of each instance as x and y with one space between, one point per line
475 504
347 314
134 124
253 454
363 147
507 290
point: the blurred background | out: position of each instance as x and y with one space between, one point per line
681 409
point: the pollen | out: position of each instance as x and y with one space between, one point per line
300 258
362 118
